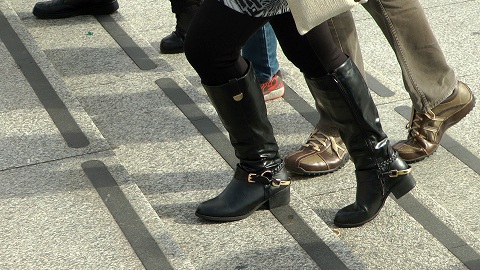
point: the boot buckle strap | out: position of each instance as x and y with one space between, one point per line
278 182
397 173
260 178
266 178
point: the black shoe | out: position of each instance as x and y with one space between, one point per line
57 9
172 43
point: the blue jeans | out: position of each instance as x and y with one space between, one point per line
261 50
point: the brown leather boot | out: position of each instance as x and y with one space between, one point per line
426 129
321 154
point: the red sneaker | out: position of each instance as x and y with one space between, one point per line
274 88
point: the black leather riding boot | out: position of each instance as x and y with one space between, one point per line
379 170
260 177
57 9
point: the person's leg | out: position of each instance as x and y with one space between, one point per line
57 9
261 51
212 47
345 96
428 78
184 11
324 152
344 34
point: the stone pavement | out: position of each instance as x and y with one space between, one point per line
108 146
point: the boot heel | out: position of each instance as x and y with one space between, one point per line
402 188
280 199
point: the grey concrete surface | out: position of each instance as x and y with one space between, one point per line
27 127
53 218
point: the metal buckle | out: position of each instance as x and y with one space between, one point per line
397 173
278 182
251 175
249 178
268 177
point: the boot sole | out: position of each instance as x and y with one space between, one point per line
95 10
172 51
280 199
399 190
458 116
301 171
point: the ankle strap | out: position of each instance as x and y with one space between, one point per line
265 177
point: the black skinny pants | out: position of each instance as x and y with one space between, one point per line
179 6
217 34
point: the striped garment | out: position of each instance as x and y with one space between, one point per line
258 8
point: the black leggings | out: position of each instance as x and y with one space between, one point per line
217 34
179 6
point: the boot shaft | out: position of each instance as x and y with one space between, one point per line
346 98
241 108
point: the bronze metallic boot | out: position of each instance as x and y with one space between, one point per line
260 178
425 130
379 170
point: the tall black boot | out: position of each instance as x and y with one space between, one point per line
260 177
379 170
57 9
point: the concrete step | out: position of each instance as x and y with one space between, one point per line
168 165
67 202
